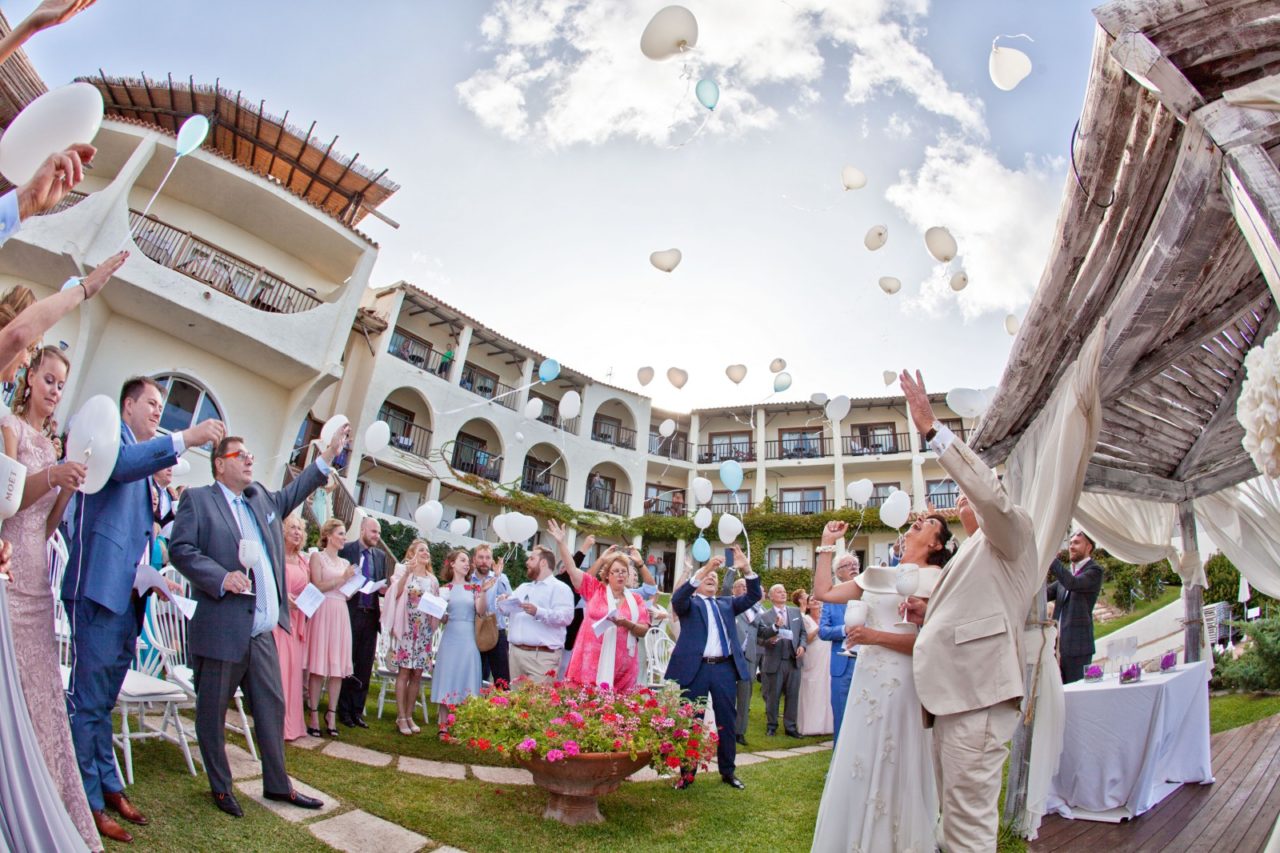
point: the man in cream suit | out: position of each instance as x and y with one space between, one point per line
969 658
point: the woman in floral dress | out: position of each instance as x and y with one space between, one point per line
410 629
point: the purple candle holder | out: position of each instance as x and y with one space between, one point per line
1169 661
1131 674
1093 673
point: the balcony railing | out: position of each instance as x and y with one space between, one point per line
603 500
729 506
672 505
610 433
875 444
230 274
71 200
473 460
538 481
554 420
671 447
799 447
743 451
405 434
943 498
803 507
488 387
417 352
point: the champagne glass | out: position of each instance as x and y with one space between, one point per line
855 616
250 554
906 581
1113 654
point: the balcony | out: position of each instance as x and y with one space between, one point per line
714 454
603 500
538 481
553 419
608 432
484 385
876 444
71 200
209 264
735 508
673 506
418 352
798 447
406 435
808 506
673 447
473 460
943 498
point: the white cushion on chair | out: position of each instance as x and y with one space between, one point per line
140 687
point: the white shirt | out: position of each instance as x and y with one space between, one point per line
941 439
713 648
554 601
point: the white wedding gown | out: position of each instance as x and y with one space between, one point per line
881 793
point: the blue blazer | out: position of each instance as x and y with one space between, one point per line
686 657
113 526
831 627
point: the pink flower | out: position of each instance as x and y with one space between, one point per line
527 745
554 755
666 748
452 719
574 717
500 700
571 747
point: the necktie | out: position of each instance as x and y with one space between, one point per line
725 648
249 530
366 569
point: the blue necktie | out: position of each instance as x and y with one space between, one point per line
366 599
263 586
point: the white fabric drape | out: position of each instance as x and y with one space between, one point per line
1137 531
1244 521
1044 475
606 665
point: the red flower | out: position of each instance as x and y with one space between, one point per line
673 761
691 753
651 703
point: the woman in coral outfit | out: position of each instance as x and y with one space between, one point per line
291 646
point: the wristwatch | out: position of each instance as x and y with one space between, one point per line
932 433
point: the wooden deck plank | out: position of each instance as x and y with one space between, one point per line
1237 811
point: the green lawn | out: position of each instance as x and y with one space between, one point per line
1240 709
1144 607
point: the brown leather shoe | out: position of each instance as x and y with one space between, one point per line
120 804
108 828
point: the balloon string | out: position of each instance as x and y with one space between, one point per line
489 400
150 201
696 133
1018 36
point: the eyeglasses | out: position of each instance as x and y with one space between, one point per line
242 454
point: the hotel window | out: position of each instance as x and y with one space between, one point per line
186 402
780 558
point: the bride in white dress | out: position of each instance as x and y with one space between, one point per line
881 792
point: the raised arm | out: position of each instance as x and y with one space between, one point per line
824 588
48 14
557 532
1089 580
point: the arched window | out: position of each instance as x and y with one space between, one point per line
186 402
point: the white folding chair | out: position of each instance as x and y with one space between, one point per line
142 690
658 646
385 674
166 632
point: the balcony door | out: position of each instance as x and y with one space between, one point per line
873 438
803 501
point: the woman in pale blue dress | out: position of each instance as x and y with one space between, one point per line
457 671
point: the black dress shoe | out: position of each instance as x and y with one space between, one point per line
733 782
348 722
293 798
794 734
742 740
771 732
359 721
227 802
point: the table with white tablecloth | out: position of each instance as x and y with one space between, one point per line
1128 746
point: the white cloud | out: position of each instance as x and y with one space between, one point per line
1002 218
571 72
898 127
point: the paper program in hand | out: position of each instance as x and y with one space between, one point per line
309 600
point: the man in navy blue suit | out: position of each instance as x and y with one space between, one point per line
831 627
113 530
706 658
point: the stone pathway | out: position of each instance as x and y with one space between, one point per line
356 831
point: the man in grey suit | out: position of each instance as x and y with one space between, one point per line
781 657
229 638
1074 593
745 622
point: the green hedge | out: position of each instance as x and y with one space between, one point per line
1224 584
1259 667
1131 584
792 579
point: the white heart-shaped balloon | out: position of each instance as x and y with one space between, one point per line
499 526
895 509
966 402
460 526
819 399
570 405
859 491
645 375
1008 67
331 428
677 377
428 515
1012 324
728 528
959 281
852 178
702 518
889 377
837 408
876 237
666 428
702 489
533 409
890 285
778 365
736 373
666 260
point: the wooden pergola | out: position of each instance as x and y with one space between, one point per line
1169 234
247 134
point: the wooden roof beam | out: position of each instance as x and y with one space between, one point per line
1105 480
291 161
1151 68
1142 15
1252 185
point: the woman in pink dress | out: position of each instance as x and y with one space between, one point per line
48 488
611 658
291 646
329 631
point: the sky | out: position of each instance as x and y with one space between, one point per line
542 158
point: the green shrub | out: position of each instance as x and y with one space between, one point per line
1259 667
1131 584
1224 584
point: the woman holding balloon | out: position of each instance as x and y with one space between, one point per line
881 792
29 438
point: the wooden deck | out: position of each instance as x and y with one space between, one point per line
1235 813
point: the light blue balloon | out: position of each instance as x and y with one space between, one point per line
708 93
731 474
192 133
549 370
781 382
701 550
